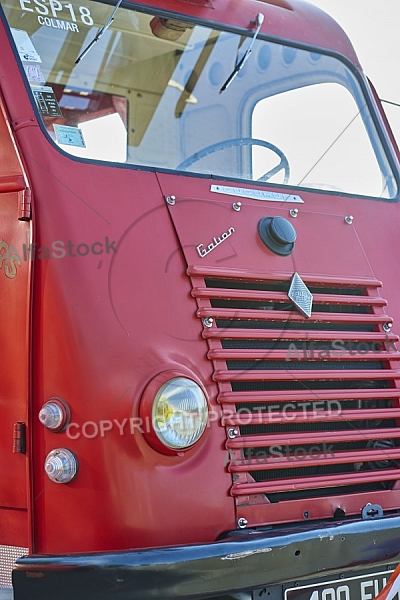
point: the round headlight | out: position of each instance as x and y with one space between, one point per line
179 414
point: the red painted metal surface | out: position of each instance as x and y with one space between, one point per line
107 325
14 340
317 257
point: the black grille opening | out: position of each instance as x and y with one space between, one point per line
306 365
280 454
335 418
349 404
294 325
271 286
263 386
234 284
284 455
307 347
333 491
287 306
252 304
342 424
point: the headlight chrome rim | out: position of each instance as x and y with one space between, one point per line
176 407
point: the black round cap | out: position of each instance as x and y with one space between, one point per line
278 234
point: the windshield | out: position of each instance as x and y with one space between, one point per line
150 92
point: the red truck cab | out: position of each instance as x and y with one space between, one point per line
199 392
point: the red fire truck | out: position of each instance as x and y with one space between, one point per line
199 233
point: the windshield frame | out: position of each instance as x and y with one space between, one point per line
383 135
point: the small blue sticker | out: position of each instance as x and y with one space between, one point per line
69 136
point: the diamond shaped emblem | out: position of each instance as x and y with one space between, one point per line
300 295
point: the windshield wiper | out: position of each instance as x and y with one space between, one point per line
99 33
240 64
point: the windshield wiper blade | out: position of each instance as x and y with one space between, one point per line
99 33
240 64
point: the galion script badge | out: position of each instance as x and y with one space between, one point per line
300 295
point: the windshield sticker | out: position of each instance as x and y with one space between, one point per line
26 49
256 194
46 101
34 74
69 136
56 14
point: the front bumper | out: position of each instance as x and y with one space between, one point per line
241 561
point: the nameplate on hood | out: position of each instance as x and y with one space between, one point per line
255 194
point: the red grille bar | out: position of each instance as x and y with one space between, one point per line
298 357
261 464
315 416
304 395
245 275
298 336
256 295
259 315
309 483
319 437
292 374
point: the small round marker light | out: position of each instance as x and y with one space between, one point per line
55 414
61 465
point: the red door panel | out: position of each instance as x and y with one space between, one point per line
14 340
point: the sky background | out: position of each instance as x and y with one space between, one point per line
374 29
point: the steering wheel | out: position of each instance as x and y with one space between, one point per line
282 165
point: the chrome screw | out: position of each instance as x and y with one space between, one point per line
349 219
387 327
170 200
232 433
293 212
208 322
242 523
237 206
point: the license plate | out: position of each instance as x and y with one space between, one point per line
362 587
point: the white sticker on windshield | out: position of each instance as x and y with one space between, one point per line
26 49
69 136
34 74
